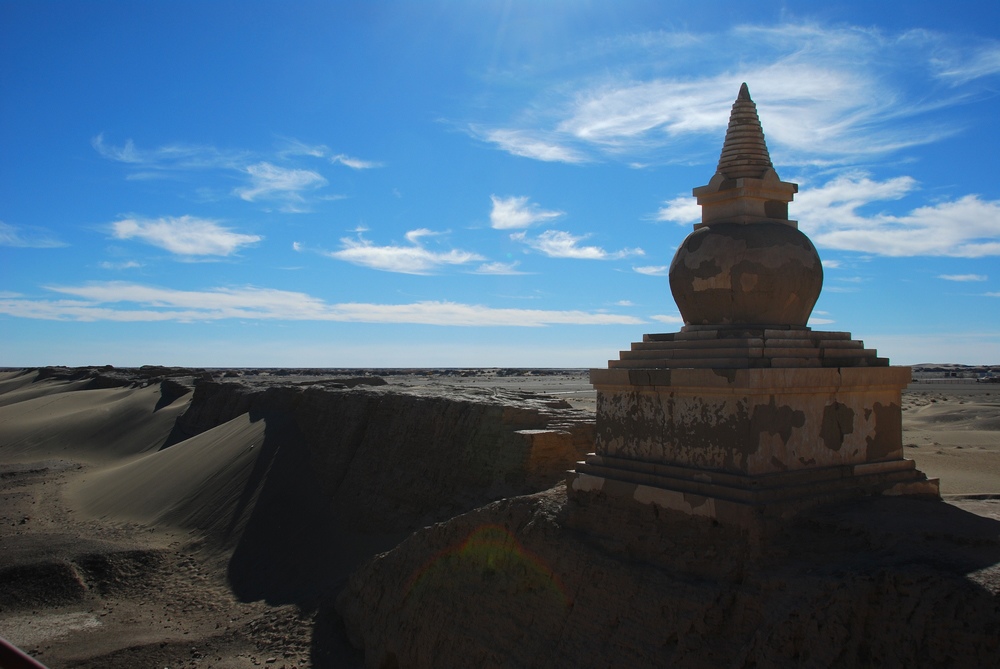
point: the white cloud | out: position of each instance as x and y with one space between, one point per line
412 259
820 321
625 303
413 236
652 270
561 244
354 163
129 302
963 277
831 264
683 209
514 212
528 144
127 264
20 237
184 235
967 227
668 318
831 214
501 268
271 181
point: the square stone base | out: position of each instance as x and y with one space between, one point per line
748 502
751 421
741 445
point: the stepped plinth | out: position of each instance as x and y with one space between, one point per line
747 416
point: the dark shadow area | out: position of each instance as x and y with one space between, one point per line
286 553
292 548
882 531
874 582
331 648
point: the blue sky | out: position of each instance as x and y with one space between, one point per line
475 183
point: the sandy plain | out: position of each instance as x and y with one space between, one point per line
99 566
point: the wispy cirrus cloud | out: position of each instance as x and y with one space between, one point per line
500 268
830 94
125 264
184 235
652 270
528 144
561 244
276 177
22 237
510 213
354 163
171 157
295 147
963 277
118 301
961 65
413 258
269 181
833 216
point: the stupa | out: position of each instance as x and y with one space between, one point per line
747 415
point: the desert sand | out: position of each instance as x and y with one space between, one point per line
140 527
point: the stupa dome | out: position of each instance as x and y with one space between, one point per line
746 263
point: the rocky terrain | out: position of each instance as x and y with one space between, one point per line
336 518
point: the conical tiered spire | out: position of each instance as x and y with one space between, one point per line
744 153
745 187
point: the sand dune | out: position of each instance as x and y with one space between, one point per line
52 418
183 485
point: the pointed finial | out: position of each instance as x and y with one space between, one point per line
744 153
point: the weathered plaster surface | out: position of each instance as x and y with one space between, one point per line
732 273
750 431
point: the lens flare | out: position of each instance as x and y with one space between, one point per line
491 556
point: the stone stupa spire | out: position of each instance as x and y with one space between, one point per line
745 188
744 153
